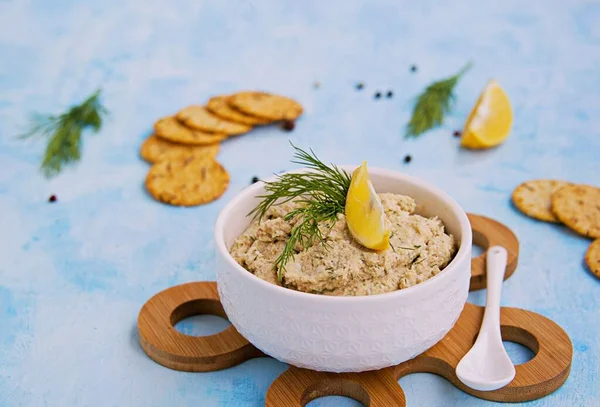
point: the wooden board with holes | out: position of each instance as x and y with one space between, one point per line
486 233
296 387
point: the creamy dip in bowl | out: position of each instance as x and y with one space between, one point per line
357 330
419 249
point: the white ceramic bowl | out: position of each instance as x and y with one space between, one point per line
346 334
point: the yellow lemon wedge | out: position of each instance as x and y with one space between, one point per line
490 120
364 212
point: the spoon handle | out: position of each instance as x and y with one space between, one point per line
496 265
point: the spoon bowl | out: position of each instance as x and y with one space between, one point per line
487 366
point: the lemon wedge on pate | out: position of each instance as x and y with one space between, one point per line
364 212
490 121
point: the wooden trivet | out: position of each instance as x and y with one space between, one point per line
487 233
540 376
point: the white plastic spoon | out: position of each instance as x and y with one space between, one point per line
487 365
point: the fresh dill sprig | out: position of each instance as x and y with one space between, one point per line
414 261
64 133
433 104
321 194
415 247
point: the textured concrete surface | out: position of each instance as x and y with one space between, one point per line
74 274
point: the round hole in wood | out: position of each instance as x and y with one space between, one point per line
518 353
518 338
197 307
202 325
338 387
480 240
488 232
521 345
169 347
334 401
477 250
522 337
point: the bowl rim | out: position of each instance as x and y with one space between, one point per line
464 248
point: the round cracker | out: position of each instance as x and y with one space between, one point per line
534 198
267 105
592 257
189 182
219 106
169 128
198 117
155 149
578 207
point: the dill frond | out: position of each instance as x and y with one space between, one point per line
321 193
64 133
433 104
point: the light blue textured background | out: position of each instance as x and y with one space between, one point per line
73 275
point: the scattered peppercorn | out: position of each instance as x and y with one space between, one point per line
255 180
317 85
377 95
360 85
413 68
52 198
288 125
389 94
407 159
456 133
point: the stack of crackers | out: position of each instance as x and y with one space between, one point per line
184 146
575 206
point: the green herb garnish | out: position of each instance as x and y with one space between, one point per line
433 104
64 133
321 193
415 262
415 247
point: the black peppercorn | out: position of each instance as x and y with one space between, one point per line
52 198
288 125
413 68
377 95
255 180
389 94
456 133
359 86
407 159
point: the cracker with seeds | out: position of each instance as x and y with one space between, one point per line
578 207
266 105
592 257
219 106
155 149
533 198
198 117
169 128
189 182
